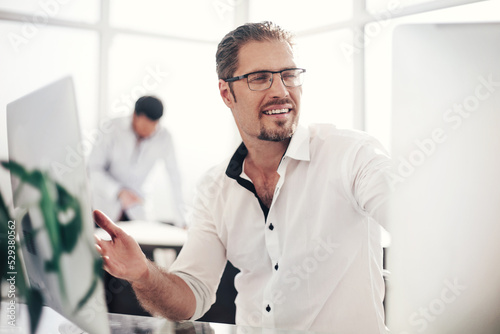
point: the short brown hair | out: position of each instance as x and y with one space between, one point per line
227 51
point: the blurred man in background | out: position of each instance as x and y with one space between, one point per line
121 162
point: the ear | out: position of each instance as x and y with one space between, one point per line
225 93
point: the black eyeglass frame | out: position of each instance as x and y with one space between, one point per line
233 79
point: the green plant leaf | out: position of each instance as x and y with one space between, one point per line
35 303
4 219
4 215
69 231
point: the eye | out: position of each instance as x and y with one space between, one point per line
259 77
290 74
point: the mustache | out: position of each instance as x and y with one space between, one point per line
276 102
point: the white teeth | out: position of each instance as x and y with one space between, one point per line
276 111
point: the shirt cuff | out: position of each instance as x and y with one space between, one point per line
200 292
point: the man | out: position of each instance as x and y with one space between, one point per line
294 209
120 164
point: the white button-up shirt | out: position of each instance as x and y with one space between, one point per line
313 261
119 160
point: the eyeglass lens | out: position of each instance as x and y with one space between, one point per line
263 80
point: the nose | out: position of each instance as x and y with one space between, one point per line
278 88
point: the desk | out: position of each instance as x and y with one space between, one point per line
52 322
151 234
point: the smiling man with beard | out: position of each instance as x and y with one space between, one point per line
296 209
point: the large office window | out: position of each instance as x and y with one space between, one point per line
38 12
53 53
301 15
196 19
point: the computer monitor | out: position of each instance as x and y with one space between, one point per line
57 246
445 217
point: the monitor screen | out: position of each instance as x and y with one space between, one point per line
445 214
52 205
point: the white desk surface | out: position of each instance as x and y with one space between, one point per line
150 233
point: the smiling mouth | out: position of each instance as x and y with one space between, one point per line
276 111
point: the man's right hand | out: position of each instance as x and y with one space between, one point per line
158 291
129 198
122 256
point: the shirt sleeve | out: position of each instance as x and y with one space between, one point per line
368 170
202 259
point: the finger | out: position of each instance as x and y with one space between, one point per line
105 264
111 267
100 241
103 246
99 249
105 223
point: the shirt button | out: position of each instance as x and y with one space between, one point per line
271 226
268 308
276 266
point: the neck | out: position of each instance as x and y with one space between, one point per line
265 156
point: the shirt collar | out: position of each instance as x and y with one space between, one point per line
298 149
235 166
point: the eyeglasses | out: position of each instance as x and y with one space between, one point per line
262 80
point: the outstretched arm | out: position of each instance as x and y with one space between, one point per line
158 291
